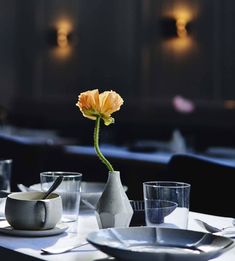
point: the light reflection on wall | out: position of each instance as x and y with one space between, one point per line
184 42
63 49
179 46
229 104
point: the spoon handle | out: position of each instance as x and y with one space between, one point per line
53 187
59 250
208 227
88 204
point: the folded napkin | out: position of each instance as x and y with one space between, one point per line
2 208
216 221
227 232
64 245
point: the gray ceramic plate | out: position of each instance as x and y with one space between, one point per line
165 244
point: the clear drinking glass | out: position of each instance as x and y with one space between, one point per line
5 174
69 190
166 203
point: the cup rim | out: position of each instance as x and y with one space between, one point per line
168 184
66 174
14 195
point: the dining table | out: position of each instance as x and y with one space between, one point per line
29 248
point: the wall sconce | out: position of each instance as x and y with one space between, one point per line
176 25
62 38
59 38
172 27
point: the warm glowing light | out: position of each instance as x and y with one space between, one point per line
181 27
65 25
63 30
62 38
63 49
179 46
183 14
186 13
183 44
229 104
61 53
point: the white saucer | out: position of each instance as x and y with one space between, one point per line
58 229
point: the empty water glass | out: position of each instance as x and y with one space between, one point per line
166 203
69 190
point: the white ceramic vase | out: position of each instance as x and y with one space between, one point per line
113 208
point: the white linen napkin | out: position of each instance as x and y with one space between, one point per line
2 208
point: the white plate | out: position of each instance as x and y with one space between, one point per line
90 191
9 230
165 244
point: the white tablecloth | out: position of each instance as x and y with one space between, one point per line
79 231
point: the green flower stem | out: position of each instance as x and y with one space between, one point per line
96 144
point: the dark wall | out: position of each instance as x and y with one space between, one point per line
8 51
120 45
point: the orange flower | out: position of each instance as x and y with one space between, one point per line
93 104
96 106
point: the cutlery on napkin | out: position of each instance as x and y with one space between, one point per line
22 187
225 231
3 196
64 246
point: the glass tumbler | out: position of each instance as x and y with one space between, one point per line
69 190
166 203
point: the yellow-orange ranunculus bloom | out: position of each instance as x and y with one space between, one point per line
93 104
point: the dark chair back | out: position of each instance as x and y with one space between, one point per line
212 183
29 159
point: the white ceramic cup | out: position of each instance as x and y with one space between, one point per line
28 211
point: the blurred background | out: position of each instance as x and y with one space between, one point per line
148 51
172 61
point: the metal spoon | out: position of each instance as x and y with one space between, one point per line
53 187
88 204
53 250
210 228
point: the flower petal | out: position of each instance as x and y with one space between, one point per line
88 103
110 101
92 104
